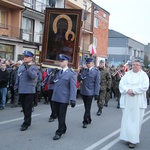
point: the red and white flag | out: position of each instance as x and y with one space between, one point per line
92 49
126 66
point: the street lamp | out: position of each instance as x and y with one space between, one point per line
84 19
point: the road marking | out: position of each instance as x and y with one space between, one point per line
112 143
17 119
146 113
102 140
147 118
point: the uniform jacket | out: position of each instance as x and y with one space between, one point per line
39 81
50 76
105 79
90 82
65 87
25 81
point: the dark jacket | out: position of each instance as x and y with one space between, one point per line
13 76
4 78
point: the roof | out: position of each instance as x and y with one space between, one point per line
100 8
113 33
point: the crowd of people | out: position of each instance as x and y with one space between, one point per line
28 82
8 74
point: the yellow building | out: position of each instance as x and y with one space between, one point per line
10 23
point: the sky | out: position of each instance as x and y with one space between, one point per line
129 17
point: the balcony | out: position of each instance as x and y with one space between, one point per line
85 48
11 32
87 27
29 36
20 2
36 5
12 4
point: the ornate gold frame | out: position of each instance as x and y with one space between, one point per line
61 35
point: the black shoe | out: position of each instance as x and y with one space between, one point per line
106 104
44 102
23 128
32 109
118 106
56 137
35 105
13 106
51 119
99 112
84 125
131 145
1 108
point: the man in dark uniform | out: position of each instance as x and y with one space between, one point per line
25 86
64 92
90 86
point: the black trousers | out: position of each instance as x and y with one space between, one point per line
26 103
52 106
87 100
61 110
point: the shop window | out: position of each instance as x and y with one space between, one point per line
7 51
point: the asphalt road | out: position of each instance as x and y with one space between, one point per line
101 134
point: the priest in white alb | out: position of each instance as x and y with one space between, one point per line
133 87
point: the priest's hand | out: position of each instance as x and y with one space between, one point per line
130 92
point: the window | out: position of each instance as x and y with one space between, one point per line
134 53
138 53
104 15
41 27
84 3
7 51
3 19
28 3
95 42
41 31
27 26
141 53
95 22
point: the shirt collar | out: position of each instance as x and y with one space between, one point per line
64 69
90 68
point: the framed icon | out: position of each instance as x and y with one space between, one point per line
61 35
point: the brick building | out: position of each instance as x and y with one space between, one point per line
100 33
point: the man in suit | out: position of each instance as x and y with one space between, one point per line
25 86
90 87
64 92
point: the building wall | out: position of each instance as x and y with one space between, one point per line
122 49
101 33
147 51
117 42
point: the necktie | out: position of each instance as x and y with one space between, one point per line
62 71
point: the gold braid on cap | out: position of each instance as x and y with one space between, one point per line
69 26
